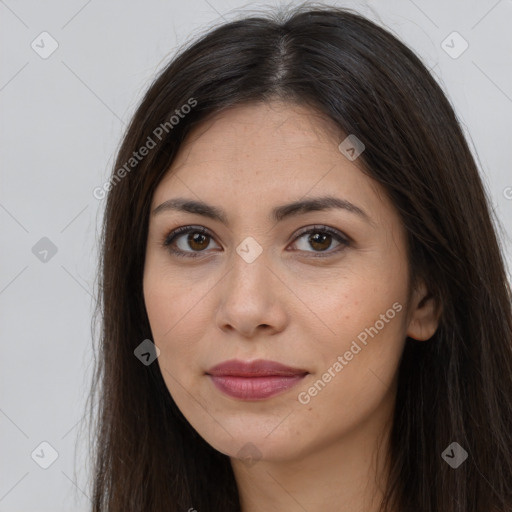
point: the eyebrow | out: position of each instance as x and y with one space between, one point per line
277 214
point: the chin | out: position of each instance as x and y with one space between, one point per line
252 445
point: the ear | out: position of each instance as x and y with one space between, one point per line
424 314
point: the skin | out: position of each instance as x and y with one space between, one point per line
287 306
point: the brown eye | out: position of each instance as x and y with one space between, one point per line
320 238
197 240
318 241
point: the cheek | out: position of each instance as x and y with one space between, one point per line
354 383
167 314
170 305
350 303
357 359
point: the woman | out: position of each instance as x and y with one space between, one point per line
303 298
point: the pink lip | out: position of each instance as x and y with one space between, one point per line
255 380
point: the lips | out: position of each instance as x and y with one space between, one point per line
254 380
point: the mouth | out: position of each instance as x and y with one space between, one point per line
254 380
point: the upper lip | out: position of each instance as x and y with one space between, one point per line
256 368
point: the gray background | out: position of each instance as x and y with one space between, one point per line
61 121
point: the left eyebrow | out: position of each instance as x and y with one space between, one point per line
278 214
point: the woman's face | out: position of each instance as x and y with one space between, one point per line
333 304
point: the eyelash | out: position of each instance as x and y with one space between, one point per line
171 237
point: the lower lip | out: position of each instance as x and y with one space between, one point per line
255 388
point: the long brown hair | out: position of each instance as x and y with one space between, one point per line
455 387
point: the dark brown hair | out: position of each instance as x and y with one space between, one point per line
457 386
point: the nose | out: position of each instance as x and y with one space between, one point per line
252 299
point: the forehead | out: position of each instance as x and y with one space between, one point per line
265 153
259 133
260 138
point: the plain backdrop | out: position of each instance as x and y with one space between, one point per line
62 118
